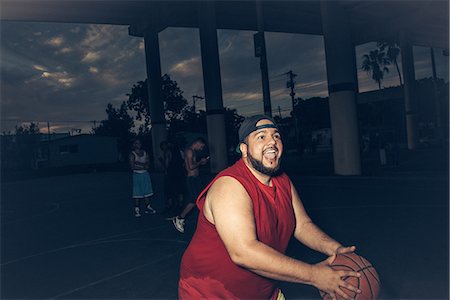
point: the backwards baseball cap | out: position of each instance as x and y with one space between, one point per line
249 125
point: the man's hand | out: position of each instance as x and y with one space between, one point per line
204 160
330 281
343 250
140 166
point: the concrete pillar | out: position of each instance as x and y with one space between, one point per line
409 79
263 59
342 88
155 105
213 86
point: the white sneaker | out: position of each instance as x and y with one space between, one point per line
137 212
179 224
150 210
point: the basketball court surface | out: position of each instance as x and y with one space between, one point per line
75 236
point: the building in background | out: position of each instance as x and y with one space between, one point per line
83 149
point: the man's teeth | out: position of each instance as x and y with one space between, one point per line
270 154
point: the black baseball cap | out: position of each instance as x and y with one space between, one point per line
249 125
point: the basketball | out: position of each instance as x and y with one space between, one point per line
368 283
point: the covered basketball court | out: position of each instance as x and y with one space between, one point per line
343 24
75 236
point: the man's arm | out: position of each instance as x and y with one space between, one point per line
310 234
230 208
191 162
131 161
147 162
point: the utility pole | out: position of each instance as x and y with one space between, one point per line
195 97
291 84
48 130
48 143
279 111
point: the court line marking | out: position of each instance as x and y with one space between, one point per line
53 207
366 186
115 275
80 244
379 206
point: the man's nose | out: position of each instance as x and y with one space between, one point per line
272 140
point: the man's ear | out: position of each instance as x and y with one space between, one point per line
243 148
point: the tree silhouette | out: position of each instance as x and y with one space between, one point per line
174 101
196 122
18 151
118 124
392 54
179 116
375 63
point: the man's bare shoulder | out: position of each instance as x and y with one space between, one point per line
226 194
227 186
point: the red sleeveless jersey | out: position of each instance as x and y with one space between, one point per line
207 271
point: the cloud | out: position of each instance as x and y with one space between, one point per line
187 67
55 41
93 70
65 50
98 36
90 56
61 79
39 68
55 86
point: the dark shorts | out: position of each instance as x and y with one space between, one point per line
174 185
193 189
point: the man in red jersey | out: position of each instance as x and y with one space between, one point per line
248 214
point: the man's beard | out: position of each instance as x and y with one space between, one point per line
259 166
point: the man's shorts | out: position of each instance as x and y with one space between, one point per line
193 188
142 185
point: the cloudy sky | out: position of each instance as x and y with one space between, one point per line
66 74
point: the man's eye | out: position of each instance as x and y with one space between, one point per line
261 137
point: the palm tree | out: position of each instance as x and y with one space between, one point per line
375 62
393 50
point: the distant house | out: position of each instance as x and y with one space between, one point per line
53 136
83 149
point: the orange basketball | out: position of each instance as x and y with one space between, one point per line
368 283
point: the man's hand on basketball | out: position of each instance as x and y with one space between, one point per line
330 281
342 249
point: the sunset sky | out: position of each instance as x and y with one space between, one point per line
66 74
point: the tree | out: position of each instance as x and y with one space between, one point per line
232 123
196 122
179 116
119 124
31 130
375 63
392 54
174 101
20 150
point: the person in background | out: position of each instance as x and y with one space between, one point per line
248 214
193 182
174 178
142 184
